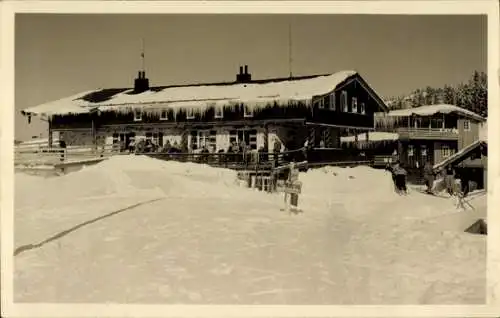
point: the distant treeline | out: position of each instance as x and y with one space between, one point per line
472 95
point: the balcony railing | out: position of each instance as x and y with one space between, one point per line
428 133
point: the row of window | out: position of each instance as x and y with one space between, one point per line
434 123
155 137
219 113
207 138
446 151
199 138
329 102
467 125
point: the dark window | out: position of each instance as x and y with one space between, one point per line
343 102
326 101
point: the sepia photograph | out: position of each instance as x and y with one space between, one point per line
250 159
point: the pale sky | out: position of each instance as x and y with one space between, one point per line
61 55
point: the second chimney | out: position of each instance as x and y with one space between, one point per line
246 69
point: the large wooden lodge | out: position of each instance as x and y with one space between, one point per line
317 109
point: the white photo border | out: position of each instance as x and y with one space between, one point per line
8 9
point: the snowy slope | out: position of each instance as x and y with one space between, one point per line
208 240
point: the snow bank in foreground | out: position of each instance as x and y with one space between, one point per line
127 176
209 241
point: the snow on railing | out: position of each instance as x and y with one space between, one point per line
250 159
44 155
409 132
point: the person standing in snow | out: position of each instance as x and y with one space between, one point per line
449 181
391 169
400 177
305 149
276 152
464 182
131 145
429 176
243 151
62 145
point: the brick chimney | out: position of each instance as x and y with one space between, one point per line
141 83
243 76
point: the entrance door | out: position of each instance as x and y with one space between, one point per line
120 141
249 136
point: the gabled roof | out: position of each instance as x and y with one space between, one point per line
462 154
430 110
257 93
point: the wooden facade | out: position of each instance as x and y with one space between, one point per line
432 137
472 160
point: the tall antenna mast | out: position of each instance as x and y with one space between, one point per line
290 48
143 58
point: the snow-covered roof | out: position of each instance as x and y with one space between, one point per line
459 154
254 94
430 110
372 136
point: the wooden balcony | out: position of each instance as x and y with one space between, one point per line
428 133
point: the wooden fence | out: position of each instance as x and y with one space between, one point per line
237 161
43 155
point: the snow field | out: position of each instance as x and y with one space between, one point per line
211 241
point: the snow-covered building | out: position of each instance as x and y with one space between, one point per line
433 132
472 159
290 110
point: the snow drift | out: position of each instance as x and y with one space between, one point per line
210 241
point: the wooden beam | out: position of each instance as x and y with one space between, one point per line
266 137
340 126
94 133
187 125
50 134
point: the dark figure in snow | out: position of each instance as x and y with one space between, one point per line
204 154
62 144
167 147
261 153
307 148
464 183
400 178
131 146
449 181
148 146
429 176
390 168
175 148
276 152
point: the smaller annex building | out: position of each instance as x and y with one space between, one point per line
421 134
471 160
259 113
